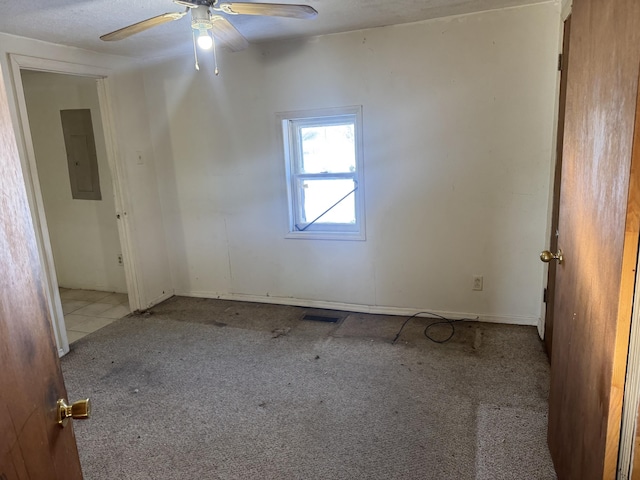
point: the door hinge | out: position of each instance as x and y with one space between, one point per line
544 295
559 62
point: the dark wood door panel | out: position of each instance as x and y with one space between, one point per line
32 445
594 285
557 179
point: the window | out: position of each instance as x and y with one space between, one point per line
323 154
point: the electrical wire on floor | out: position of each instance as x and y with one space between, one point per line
442 321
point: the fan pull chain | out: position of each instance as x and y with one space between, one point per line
195 50
215 57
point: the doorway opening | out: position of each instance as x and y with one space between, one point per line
78 206
76 186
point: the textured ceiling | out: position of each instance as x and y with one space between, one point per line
79 23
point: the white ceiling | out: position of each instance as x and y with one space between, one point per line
79 23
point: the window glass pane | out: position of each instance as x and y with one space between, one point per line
319 195
328 149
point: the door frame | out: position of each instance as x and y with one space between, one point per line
546 327
631 401
628 454
554 193
34 193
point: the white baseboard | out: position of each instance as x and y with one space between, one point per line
99 288
159 299
541 328
355 307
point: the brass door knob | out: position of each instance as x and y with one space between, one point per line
80 410
546 256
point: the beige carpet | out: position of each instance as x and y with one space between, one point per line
210 389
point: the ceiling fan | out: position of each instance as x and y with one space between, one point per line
203 21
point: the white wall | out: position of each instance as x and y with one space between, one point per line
458 135
84 233
140 209
141 187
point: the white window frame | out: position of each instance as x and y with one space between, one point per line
287 123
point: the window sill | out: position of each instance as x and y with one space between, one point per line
352 236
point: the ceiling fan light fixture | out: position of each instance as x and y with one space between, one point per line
201 24
204 40
207 30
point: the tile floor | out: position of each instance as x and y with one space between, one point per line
86 311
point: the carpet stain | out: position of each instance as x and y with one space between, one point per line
280 332
477 341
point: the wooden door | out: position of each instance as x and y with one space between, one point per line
553 241
598 234
32 445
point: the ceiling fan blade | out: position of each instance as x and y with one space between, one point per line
269 9
142 26
227 34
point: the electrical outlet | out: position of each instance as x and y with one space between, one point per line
120 260
477 282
